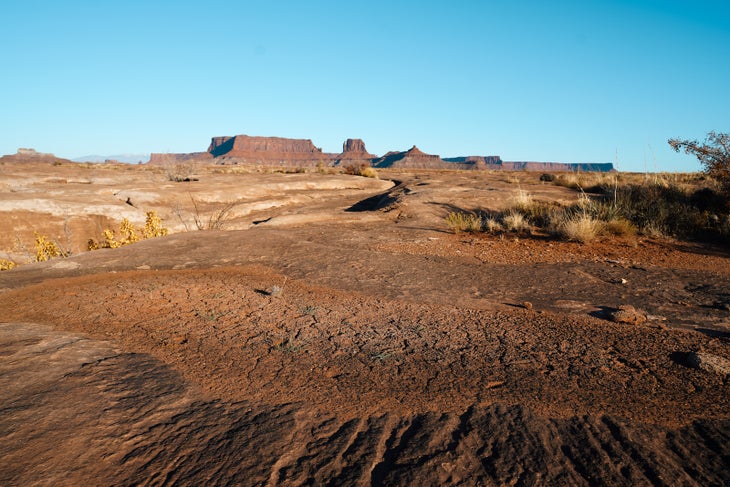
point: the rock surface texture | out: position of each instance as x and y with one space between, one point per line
335 333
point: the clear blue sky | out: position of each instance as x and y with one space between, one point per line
570 81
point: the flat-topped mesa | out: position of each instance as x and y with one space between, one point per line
161 159
246 148
32 153
558 166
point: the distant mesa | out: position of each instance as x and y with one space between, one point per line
26 155
354 152
496 163
413 158
126 158
32 153
279 151
246 149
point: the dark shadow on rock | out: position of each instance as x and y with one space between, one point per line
714 333
603 312
384 201
680 358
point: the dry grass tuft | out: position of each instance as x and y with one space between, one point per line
523 201
515 222
464 222
492 225
580 228
620 227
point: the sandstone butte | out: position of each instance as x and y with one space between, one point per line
279 151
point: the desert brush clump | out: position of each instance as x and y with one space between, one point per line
153 226
364 169
128 234
514 221
6 265
579 227
46 249
459 222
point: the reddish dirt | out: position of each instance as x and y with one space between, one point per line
374 353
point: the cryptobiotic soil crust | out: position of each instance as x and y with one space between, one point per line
375 352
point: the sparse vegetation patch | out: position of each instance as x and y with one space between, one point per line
128 234
464 222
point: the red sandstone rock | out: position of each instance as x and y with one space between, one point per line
353 151
354 145
414 158
246 145
281 151
267 151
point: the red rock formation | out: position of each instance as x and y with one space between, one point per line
354 145
245 146
353 151
414 158
279 151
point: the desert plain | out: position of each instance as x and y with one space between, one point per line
319 328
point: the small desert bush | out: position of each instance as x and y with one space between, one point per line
492 225
369 172
6 265
547 177
463 222
46 249
153 226
364 169
180 171
216 219
515 221
620 227
580 227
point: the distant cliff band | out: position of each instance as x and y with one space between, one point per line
279 151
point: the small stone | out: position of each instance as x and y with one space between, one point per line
709 362
527 305
627 314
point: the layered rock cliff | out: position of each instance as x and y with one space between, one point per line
263 150
279 151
